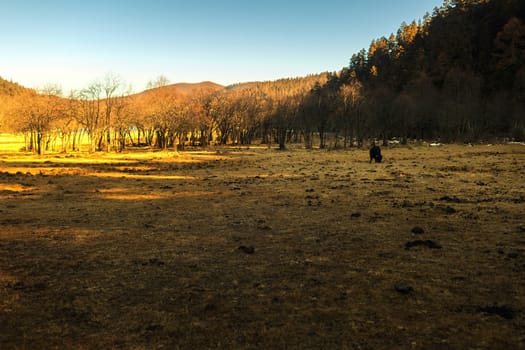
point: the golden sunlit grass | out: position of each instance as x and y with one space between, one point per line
258 248
14 187
132 176
11 143
124 194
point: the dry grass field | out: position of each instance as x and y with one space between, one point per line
256 248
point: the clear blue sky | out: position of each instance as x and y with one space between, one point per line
72 43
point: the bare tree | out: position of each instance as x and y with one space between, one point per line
352 100
111 86
91 110
35 115
160 81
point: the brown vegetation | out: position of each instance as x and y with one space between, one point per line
255 248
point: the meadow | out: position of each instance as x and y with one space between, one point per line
255 248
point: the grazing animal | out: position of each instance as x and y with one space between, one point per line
375 153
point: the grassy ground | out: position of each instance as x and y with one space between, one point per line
256 248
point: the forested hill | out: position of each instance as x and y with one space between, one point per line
457 74
8 92
9 88
483 38
184 90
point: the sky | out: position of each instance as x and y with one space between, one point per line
74 43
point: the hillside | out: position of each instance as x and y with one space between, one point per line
8 91
183 90
456 75
9 88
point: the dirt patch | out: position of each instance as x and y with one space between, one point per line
258 248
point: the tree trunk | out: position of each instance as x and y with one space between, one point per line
281 138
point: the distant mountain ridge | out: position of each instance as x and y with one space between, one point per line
179 90
183 90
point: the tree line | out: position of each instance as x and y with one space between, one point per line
106 117
456 75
